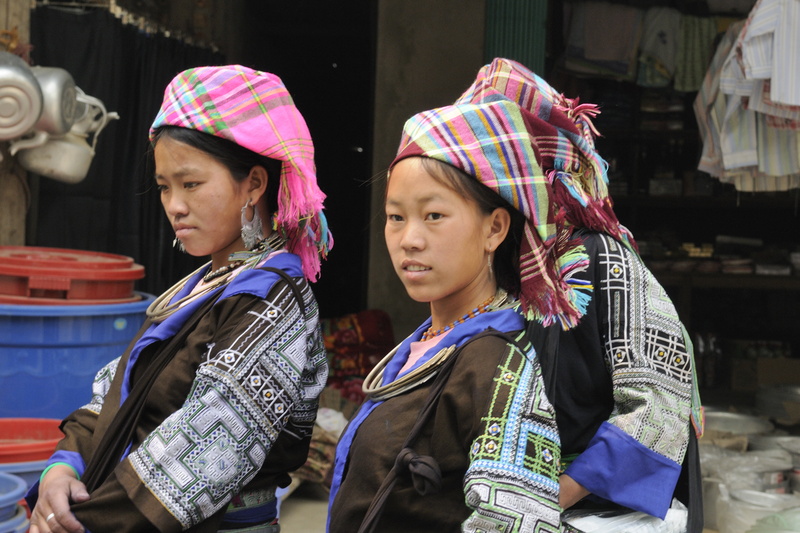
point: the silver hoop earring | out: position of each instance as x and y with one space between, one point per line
177 243
252 230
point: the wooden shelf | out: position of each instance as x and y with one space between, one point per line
686 289
783 200
695 280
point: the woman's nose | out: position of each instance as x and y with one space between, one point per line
412 237
174 205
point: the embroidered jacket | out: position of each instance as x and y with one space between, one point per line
492 434
233 410
625 391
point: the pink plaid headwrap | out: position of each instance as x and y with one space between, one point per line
490 142
516 135
563 136
255 110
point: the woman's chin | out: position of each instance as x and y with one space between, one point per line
418 296
195 251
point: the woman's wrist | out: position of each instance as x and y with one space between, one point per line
570 491
69 468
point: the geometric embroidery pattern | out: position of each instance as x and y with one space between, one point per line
101 385
254 385
512 480
647 355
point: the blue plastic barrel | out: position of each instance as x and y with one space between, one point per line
49 354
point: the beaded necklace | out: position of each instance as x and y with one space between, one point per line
221 271
163 306
482 308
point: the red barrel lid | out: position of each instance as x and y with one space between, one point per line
26 261
32 300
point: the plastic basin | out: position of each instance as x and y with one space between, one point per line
28 439
12 489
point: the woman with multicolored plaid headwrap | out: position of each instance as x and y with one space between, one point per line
503 195
195 426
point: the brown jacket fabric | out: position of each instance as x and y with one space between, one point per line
232 412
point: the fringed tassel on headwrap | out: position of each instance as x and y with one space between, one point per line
301 218
587 211
582 115
310 240
555 295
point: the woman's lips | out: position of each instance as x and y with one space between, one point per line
183 231
415 271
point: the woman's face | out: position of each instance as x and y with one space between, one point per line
439 242
201 199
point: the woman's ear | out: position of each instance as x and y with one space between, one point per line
498 223
257 183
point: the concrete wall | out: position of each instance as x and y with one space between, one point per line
427 54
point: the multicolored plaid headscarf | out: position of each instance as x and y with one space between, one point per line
255 110
563 137
489 141
535 148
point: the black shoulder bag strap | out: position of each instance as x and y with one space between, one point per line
695 503
120 432
292 285
424 469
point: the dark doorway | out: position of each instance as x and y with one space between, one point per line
323 51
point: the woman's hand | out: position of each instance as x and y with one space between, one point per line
570 491
57 490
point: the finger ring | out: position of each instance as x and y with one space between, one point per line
51 515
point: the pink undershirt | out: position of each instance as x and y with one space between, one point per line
418 349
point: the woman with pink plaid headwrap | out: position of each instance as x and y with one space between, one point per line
553 373
199 422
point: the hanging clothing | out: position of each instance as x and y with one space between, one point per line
658 49
592 49
750 136
695 48
709 104
769 48
226 420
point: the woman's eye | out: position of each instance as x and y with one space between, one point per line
161 188
434 216
190 184
394 218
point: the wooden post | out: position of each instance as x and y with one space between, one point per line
15 198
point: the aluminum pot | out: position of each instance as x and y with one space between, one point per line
60 107
21 97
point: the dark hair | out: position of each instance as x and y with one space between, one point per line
237 159
506 257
